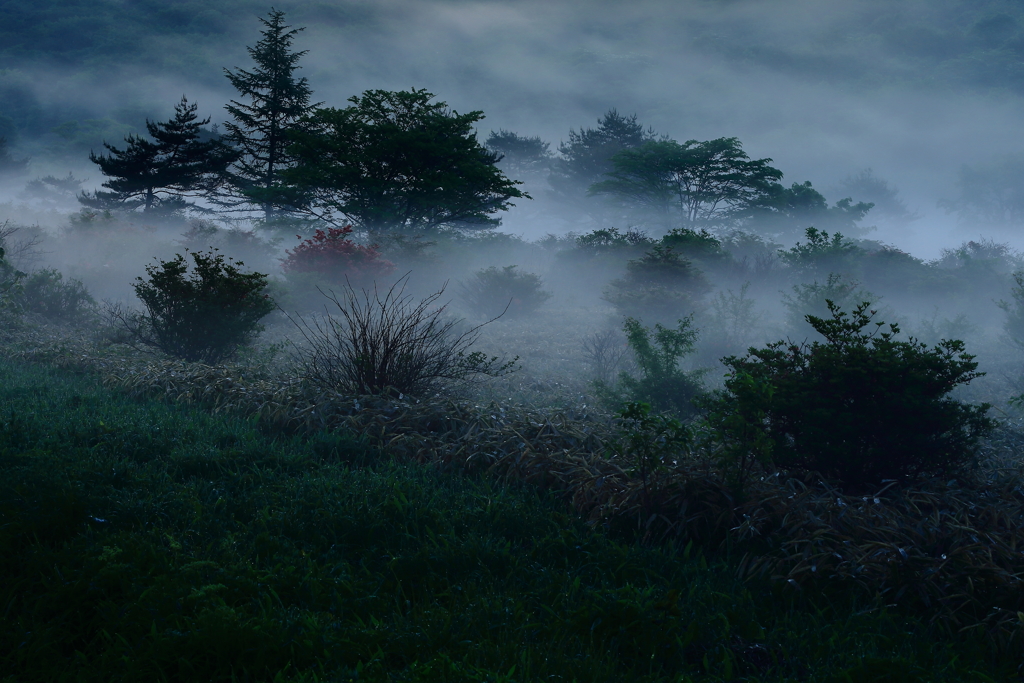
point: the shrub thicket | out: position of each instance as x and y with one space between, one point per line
46 293
860 406
489 291
205 316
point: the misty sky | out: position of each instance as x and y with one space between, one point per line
824 89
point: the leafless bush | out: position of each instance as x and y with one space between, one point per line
381 344
605 352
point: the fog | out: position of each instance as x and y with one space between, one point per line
826 90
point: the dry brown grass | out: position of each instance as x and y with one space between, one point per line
953 549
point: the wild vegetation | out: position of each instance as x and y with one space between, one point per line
684 448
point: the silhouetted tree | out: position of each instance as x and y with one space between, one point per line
691 185
520 156
790 211
587 156
160 172
397 161
277 102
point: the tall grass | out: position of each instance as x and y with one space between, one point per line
142 541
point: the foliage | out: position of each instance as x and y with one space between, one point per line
204 316
587 156
521 156
813 299
731 324
861 406
45 293
391 345
333 256
650 444
276 103
491 290
882 195
397 161
697 244
662 383
1013 325
822 254
783 211
135 513
692 185
10 288
605 352
660 284
53 192
158 173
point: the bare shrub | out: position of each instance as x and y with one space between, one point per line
391 344
605 353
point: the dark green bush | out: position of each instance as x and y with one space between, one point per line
492 290
662 383
204 316
861 406
47 294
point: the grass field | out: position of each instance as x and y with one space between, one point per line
143 541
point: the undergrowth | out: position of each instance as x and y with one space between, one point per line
147 541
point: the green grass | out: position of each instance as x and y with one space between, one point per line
142 541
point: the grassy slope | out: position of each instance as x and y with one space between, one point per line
140 541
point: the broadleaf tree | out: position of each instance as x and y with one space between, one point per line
397 161
692 185
276 103
180 160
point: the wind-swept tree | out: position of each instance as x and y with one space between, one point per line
397 161
276 102
691 185
160 172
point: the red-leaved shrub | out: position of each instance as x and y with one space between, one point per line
333 256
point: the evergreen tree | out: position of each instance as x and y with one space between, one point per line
587 157
277 101
521 156
158 173
398 162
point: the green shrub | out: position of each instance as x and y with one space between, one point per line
822 254
861 406
204 316
662 383
812 299
492 290
47 294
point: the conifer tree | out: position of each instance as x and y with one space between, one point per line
277 101
159 172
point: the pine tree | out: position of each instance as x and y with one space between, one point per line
277 103
160 172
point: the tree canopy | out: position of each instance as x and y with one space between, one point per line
520 155
691 185
276 102
397 161
158 173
